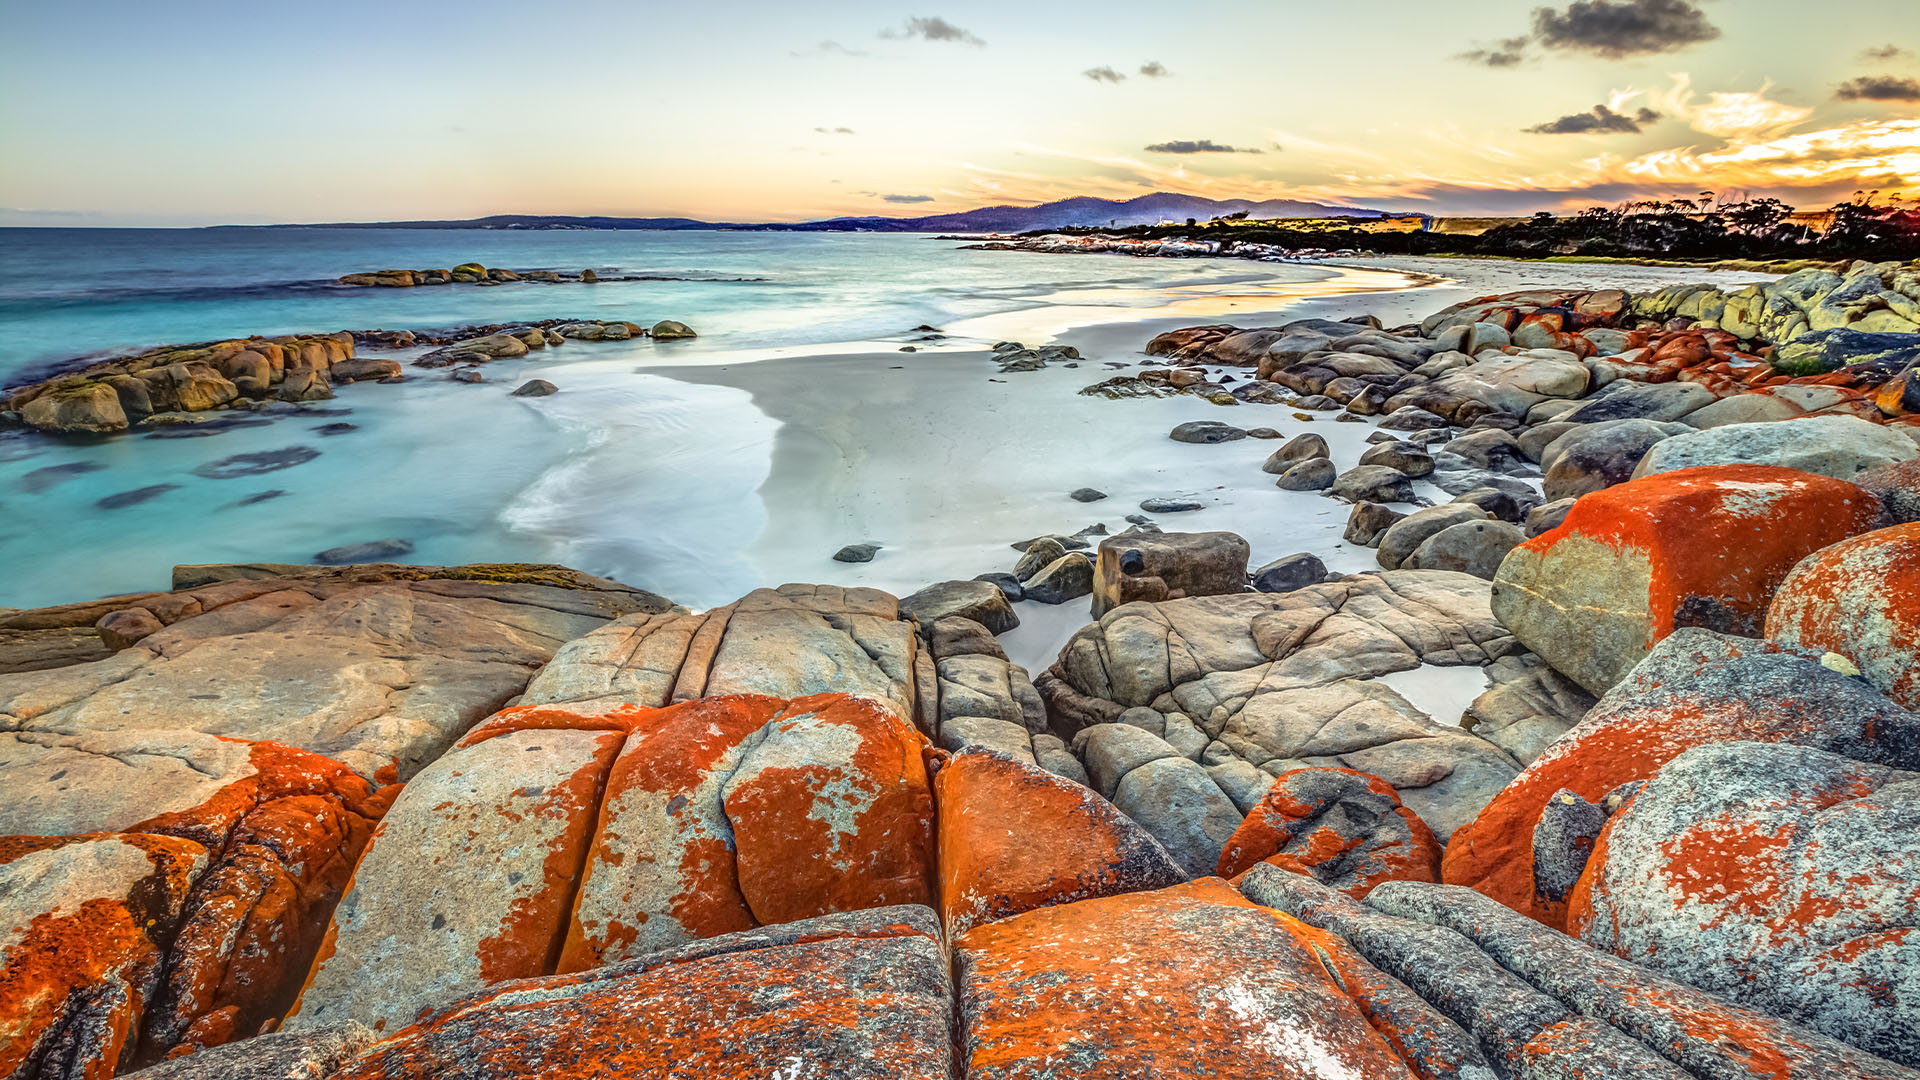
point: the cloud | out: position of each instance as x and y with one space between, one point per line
1745 115
1104 74
1505 53
1154 69
1627 28
1601 120
1884 52
834 130
931 28
906 198
1879 88
1614 29
1197 146
829 48
1882 153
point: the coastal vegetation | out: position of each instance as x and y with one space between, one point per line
1707 228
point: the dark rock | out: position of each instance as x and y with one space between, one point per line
1405 457
1086 495
1313 474
1008 585
1562 842
981 601
1294 451
1502 504
1547 517
1206 431
372 551
535 388
338 428
856 553
134 497
1171 505
1066 578
1369 522
264 461
1374 483
43 479
1290 573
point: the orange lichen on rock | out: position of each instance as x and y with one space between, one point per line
1014 837
661 869
83 921
1695 689
863 996
1341 827
1699 547
832 811
1860 599
1145 984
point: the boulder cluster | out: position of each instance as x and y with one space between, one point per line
465 274
378 822
175 384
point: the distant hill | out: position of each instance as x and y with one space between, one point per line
1081 211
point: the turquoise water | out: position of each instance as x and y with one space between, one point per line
626 472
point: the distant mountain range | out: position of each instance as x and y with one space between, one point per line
1081 211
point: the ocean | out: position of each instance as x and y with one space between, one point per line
629 471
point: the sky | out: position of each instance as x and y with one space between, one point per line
190 112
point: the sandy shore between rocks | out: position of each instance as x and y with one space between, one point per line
945 462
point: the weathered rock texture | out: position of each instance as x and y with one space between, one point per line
560 839
1342 828
1699 547
1782 877
1274 682
1860 599
1695 688
379 667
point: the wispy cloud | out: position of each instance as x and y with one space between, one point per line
1505 53
1104 74
906 198
1599 120
1198 146
931 28
1154 69
829 48
834 130
1888 51
1879 88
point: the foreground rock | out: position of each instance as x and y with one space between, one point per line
1342 828
1778 876
379 667
1694 689
1040 994
1168 566
558 840
1466 987
862 996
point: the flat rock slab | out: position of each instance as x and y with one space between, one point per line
377 667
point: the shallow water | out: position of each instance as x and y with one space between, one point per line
699 469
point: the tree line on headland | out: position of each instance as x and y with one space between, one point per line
1704 228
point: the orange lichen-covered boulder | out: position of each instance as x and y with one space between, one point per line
1696 547
559 838
1014 837
83 921
282 828
1782 877
1694 689
1860 599
1154 984
860 996
1341 827
469 879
